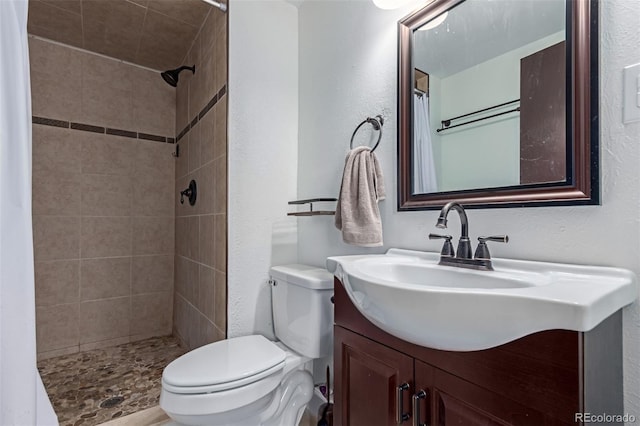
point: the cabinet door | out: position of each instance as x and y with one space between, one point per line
458 402
367 378
423 407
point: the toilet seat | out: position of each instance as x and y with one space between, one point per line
224 365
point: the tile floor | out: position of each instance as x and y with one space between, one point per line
93 387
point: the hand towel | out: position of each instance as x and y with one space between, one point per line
357 213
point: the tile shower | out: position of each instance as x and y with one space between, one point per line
102 203
117 258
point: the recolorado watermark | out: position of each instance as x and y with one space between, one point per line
604 418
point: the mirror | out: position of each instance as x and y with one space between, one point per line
498 104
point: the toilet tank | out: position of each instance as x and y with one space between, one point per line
302 308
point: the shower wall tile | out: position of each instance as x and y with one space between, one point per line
220 201
152 197
154 103
200 312
106 195
106 154
106 73
48 21
220 242
194 148
106 237
152 274
151 313
105 343
107 101
107 106
104 278
161 39
56 193
182 105
193 239
220 128
55 149
56 237
207 175
220 300
206 292
192 282
153 235
193 15
154 160
182 162
180 275
57 327
104 319
112 27
207 237
104 215
58 282
52 96
207 131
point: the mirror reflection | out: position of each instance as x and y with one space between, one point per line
490 96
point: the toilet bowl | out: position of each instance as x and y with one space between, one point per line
251 380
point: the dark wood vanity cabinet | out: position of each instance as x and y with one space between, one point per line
539 380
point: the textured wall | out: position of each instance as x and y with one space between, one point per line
201 123
263 130
343 85
102 200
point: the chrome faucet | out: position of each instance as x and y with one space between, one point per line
462 256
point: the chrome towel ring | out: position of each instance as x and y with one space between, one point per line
377 123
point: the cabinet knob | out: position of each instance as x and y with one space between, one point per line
400 415
416 407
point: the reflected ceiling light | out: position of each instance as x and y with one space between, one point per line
434 22
391 4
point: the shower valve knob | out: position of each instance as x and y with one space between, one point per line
191 192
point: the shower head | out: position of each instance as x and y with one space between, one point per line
171 76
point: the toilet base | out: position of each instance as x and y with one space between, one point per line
283 406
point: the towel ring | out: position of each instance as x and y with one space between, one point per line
377 123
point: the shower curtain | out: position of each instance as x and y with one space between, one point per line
23 400
424 171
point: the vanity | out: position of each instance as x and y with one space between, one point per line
497 107
474 370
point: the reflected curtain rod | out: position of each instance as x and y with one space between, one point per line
446 124
219 5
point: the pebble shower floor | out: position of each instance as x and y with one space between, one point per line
93 387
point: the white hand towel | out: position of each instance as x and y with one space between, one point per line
357 213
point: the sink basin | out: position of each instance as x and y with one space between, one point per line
407 294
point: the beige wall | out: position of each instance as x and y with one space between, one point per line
201 121
102 204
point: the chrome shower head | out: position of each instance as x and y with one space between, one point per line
171 76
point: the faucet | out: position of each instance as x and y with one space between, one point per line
462 256
464 245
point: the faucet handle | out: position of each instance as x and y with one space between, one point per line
447 248
482 251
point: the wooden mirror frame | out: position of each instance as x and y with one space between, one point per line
582 184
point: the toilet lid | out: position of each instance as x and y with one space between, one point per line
226 361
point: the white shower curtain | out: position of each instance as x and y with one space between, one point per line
424 172
22 397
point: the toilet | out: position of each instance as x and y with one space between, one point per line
251 380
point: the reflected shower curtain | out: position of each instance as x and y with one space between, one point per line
424 172
23 400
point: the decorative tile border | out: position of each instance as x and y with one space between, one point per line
98 129
214 100
129 134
